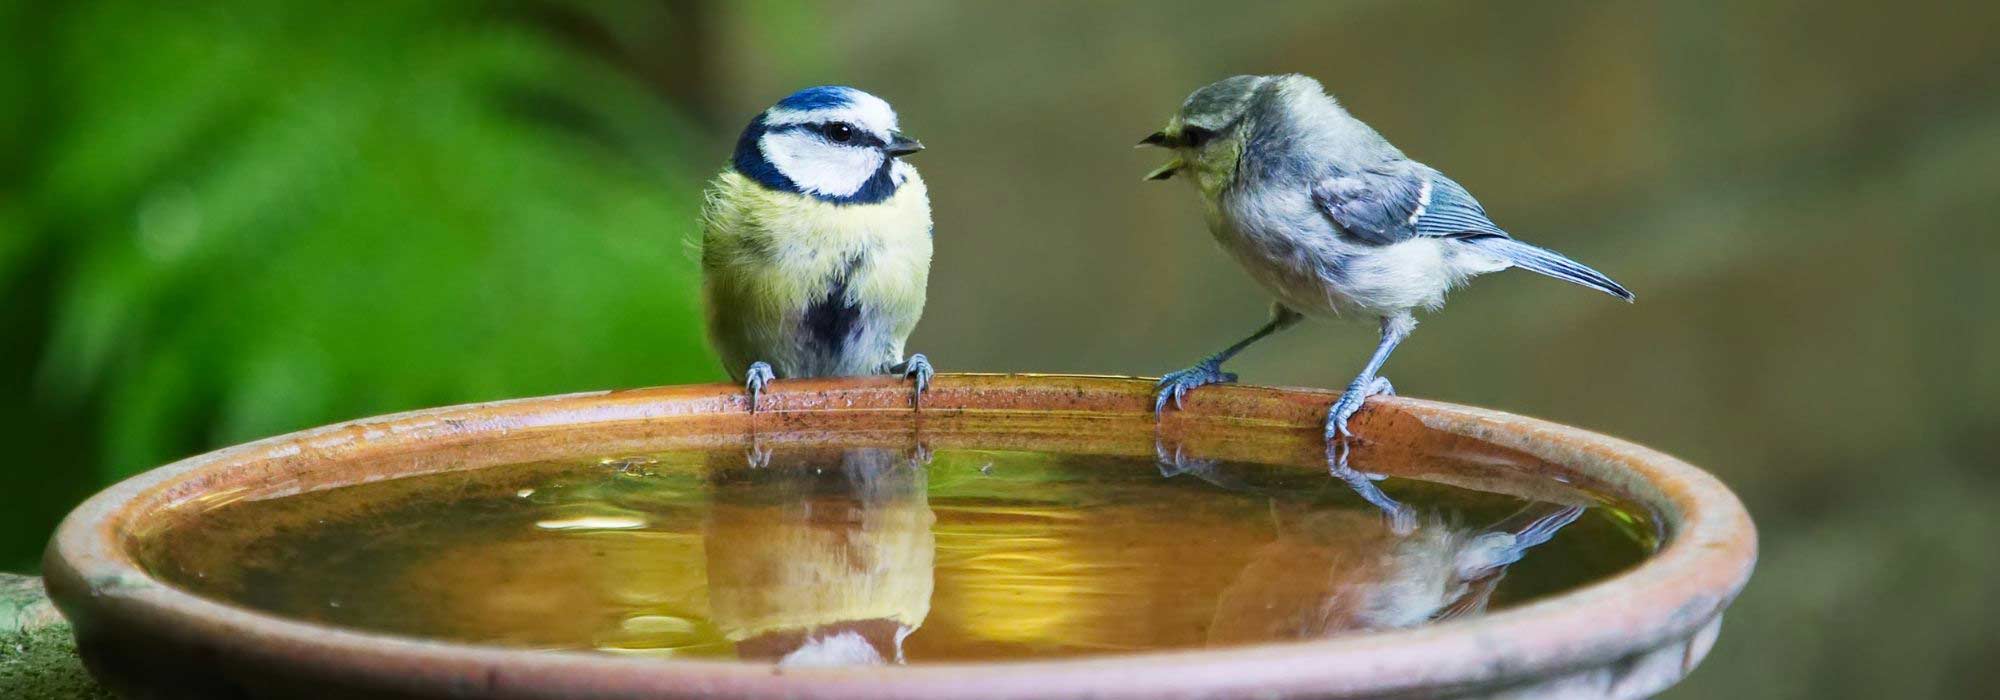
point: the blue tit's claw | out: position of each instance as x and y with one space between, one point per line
1175 386
755 379
918 370
1350 402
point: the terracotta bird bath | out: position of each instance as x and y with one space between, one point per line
1629 633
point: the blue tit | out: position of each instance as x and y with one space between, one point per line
816 244
1331 220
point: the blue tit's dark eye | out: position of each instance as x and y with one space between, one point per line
1194 136
839 133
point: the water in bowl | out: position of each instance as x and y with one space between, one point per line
888 554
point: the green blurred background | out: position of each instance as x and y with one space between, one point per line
234 219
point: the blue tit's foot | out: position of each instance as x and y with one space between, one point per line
1178 384
918 370
1350 403
755 379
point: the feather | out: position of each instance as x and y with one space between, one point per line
1547 262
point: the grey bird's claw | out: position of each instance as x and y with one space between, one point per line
1176 385
918 369
755 379
1402 519
1350 403
1381 387
1176 462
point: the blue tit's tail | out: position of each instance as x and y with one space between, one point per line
1547 262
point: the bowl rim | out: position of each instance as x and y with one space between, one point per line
1672 597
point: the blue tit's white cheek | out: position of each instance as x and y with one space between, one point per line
819 167
900 172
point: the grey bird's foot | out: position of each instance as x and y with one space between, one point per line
1402 519
1175 462
917 369
755 379
1177 384
1350 403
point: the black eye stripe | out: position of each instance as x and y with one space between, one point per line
860 137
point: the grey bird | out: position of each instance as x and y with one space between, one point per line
1332 221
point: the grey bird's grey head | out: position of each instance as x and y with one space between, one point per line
1205 133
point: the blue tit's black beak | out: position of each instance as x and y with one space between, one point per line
1157 138
900 145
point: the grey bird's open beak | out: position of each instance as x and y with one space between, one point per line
900 145
1161 140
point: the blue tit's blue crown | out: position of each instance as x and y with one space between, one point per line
819 97
791 147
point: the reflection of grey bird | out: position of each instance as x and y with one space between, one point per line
1332 220
1172 463
1334 571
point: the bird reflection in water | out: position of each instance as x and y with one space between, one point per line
1336 571
828 557
821 556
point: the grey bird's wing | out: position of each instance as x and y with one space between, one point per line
1396 201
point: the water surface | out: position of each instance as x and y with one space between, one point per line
855 555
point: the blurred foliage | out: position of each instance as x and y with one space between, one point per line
236 219
250 217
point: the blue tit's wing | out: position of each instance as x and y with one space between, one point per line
1397 201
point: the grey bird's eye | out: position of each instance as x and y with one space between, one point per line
1194 136
839 133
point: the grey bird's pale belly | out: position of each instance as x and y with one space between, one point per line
1311 267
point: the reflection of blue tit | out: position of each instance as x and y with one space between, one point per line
1332 220
816 244
822 558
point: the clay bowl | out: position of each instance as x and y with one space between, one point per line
1627 636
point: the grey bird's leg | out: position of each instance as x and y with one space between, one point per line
1209 371
1402 519
917 369
755 379
1369 383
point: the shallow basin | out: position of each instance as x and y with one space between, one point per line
1020 536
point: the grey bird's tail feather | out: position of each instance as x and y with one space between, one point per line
1548 262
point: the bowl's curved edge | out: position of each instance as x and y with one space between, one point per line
1628 636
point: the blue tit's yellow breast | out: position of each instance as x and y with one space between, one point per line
768 256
